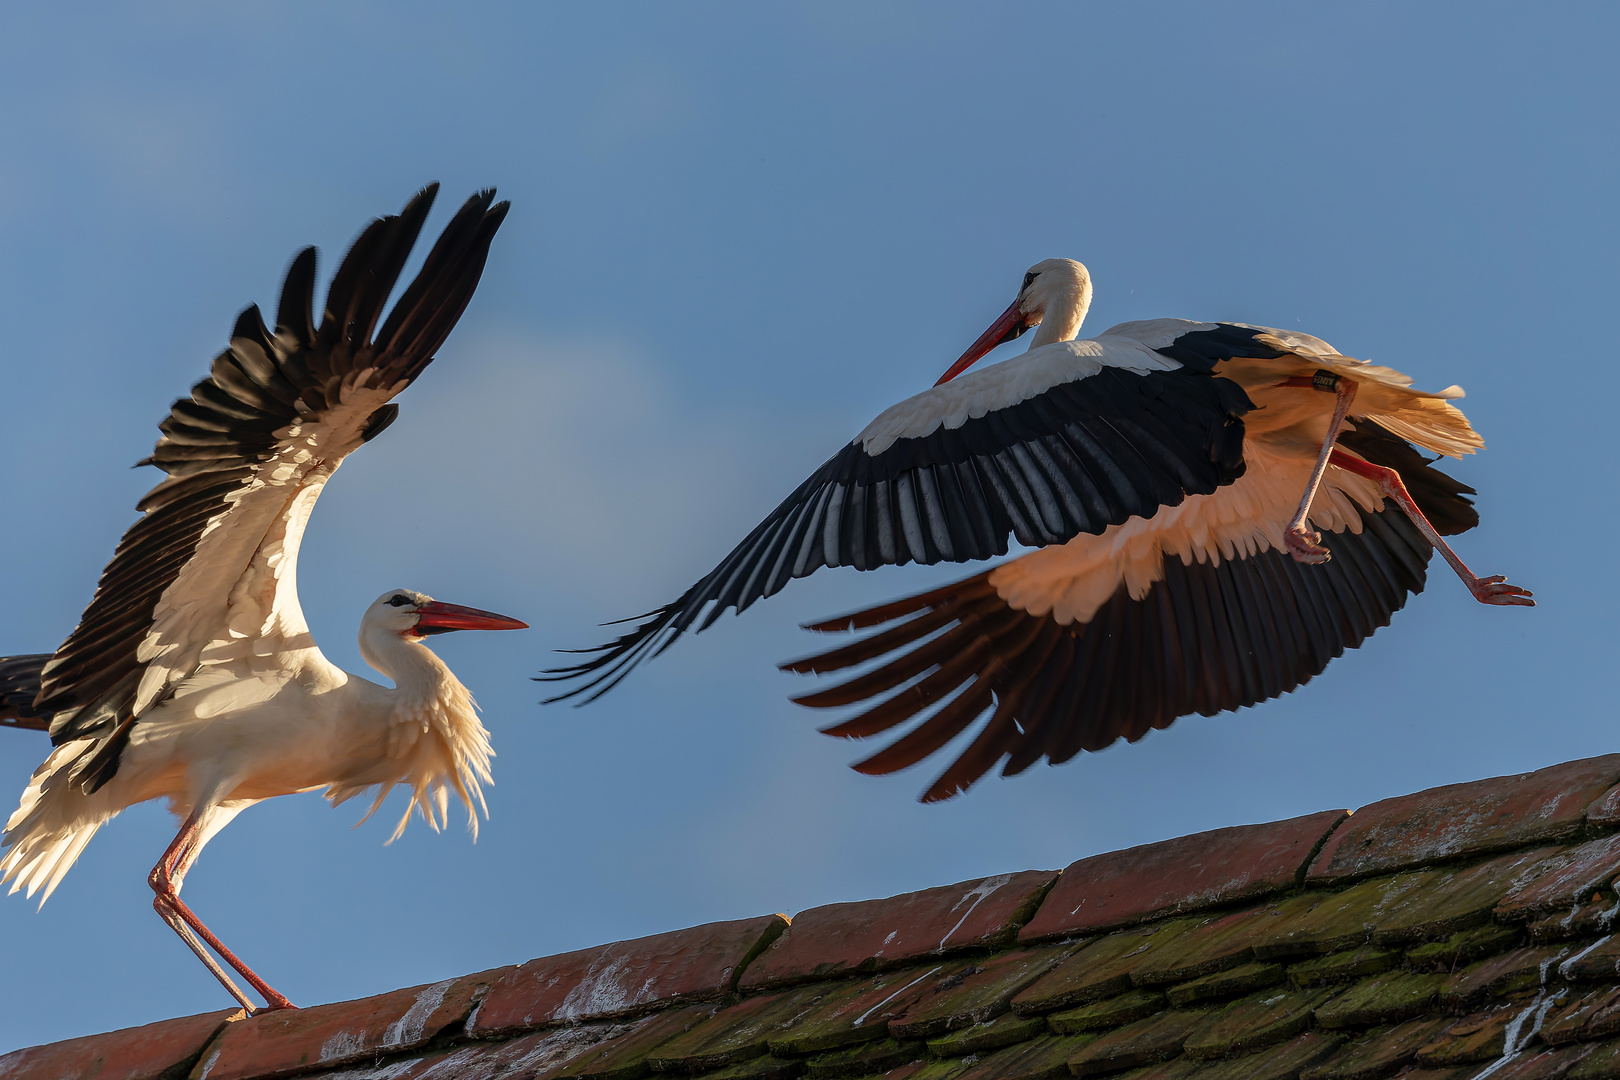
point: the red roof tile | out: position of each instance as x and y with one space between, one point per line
292 1041
142 1053
1434 937
1188 874
874 934
698 964
1466 819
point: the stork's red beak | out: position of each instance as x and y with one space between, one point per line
436 618
1008 326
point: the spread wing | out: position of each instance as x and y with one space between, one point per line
1065 440
246 455
1050 676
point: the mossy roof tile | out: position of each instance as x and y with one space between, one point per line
1593 1016
1381 999
1191 873
870 935
1346 965
1459 950
1455 899
1158 1038
1501 976
1587 920
1258 1021
622 1054
734 1034
974 993
866 1059
541 1054
1283 1062
1213 944
1540 1063
1225 984
1498 814
1477 1038
1045 1058
1378 1053
1595 960
1564 880
929 1070
1098 970
622 979
1179 1069
291 1041
1324 922
1450 951
1602 1062
1109 1013
760 1068
1004 1030
848 1013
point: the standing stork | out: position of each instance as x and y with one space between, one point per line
192 675
1186 483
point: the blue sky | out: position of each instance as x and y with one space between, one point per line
739 232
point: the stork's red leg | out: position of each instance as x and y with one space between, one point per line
1487 590
1305 543
165 879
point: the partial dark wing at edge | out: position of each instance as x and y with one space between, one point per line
1073 459
19 685
1204 640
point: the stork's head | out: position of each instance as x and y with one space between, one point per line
1055 296
404 615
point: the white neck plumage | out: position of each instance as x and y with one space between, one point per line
435 734
1061 296
417 671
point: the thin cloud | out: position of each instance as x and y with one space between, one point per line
578 461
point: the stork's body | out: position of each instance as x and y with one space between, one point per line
288 721
1220 510
192 676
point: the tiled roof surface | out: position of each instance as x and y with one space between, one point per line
1460 932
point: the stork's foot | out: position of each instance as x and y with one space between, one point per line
275 1002
1495 590
1305 545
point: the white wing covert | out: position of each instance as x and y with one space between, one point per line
1065 440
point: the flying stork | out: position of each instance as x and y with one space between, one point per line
192 675
1220 510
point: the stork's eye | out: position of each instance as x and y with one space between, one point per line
1029 277
399 600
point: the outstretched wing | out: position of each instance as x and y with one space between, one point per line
1065 440
246 455
19 685
1203 636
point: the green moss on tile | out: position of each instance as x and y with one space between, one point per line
865 1059
1226 984
1114 1012
1004 1030
1381 999
1258 1021
1461 949
1344 966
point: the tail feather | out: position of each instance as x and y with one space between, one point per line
51 825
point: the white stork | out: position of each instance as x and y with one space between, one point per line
1176 477
192 675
